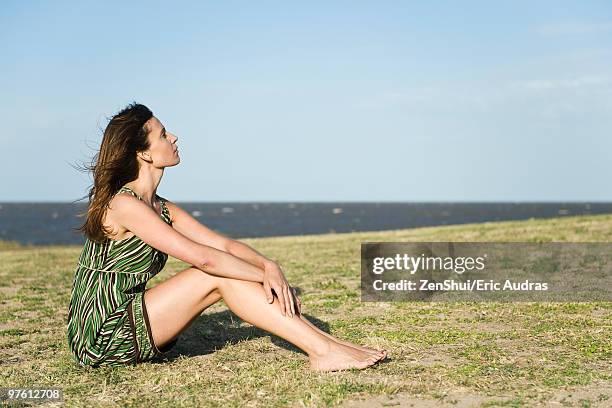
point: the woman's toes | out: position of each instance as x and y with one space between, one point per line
367 363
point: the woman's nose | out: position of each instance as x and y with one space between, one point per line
175 138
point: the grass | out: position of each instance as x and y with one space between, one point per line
497 354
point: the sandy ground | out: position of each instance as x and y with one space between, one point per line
594 395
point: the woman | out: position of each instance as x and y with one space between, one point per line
130 230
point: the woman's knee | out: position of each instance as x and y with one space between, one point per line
216 285
206 284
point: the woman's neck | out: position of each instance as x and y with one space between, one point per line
146 184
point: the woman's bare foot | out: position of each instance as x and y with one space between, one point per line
382 354
340 357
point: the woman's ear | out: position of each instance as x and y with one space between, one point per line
145 156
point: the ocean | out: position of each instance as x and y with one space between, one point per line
51 223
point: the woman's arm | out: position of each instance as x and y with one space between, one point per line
144 222
248 254
187 225
228 265
272 276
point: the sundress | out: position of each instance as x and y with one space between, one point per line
108 322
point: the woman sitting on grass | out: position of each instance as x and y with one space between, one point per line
130 230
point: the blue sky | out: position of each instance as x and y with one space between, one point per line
317 101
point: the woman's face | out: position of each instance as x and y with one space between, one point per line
162 150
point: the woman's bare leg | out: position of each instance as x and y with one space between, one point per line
248 301
175 303
370 350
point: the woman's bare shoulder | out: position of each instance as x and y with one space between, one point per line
118 201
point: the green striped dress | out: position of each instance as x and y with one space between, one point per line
107 317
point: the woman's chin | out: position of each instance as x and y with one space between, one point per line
176 162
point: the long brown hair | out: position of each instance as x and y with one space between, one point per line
115 164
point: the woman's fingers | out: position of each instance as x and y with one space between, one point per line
281 298
288 307
291 300
287 298
297 300
268 291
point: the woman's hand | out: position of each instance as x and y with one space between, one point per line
275 279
